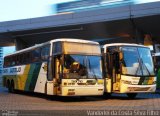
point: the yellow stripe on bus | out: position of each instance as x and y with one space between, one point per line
150 81
22 78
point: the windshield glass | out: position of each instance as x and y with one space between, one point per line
137 61
82 66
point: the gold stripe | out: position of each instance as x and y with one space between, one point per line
21 79
150 81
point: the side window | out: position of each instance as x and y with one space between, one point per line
45 52
36 55
21 59
57 47
26 57
17 59
13 60
6 61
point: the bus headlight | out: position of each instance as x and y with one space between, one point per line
100 82
126 82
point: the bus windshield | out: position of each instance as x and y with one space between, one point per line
82 66
137 61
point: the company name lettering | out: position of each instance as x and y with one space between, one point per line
12 70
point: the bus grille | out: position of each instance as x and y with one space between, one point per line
139 89
142 89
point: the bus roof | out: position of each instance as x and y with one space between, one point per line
74 40
52 41
123 44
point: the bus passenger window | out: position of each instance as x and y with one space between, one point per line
13 60
17 60
4 64
45 52
57 47
6 61
36 55
20 59
26 57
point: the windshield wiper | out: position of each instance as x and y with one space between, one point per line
144 66
137 68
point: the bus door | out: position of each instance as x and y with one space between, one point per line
51 81
54 76
58 74
115 71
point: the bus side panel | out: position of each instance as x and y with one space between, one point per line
35 76
42 79
32 77
20 80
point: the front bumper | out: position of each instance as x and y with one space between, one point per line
82 91
126 88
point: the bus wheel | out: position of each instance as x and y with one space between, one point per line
107 95
131 95
9 86
12 86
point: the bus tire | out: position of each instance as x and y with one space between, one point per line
131 95
9 86
12 87
107 95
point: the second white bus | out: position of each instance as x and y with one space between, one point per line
128 68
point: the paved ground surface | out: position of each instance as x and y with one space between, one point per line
32 102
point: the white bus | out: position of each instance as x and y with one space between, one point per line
128 68
63 67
